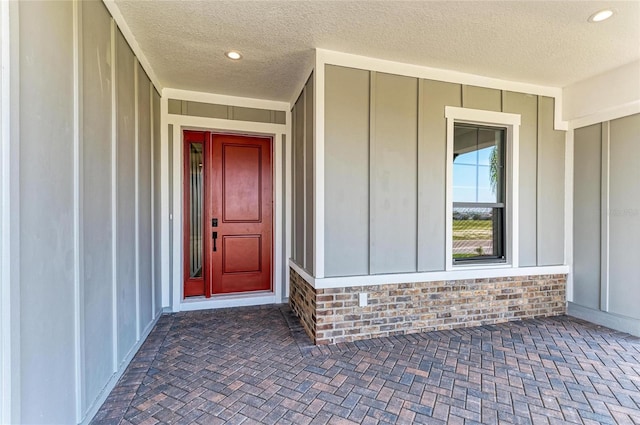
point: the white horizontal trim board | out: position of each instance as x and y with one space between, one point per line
221 99
458 274
330 57
219 124
481 116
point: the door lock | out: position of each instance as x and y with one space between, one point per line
214 222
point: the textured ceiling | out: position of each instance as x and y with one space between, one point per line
540 42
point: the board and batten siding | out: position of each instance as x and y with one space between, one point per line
393 173
47 340
86 184
97 205
347 215
385 172
624 216
587 198
606 217
302 131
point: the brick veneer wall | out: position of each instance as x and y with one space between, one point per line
302 300
333 315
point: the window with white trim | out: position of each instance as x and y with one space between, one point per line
482 196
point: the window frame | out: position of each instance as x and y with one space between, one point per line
510 122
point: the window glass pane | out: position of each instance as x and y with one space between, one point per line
195 209
477 233
478 165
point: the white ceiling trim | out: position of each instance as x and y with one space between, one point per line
223 99
329 57
113 9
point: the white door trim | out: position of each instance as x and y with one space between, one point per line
280 278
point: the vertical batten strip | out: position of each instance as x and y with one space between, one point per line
604 216
514 193
318 169
178 197
288 198
153 201
165 207
136 139
114 196
372 166
303 105
78 249
419 134
7 166
568 209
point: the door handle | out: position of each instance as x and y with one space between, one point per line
215 237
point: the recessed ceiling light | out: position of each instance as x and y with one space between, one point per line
233 55
601 15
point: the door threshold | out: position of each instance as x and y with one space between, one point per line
228 300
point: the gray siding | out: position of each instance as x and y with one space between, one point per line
587 161
551 151
145 250
298 181
170 159
434 96
211 110
346 182
46 213
157 201
308 176
624 216
125 198
303 178
407 171
393 166
96 199
52 168
481 98
526 106
606 214
199 109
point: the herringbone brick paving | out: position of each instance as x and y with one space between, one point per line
255 365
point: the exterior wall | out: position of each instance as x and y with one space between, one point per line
303 177
398 309
97 198
47 338
302 299
607 223
385 176
86 285
226 112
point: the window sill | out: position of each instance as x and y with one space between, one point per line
479 266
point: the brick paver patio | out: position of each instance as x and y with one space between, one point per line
255 365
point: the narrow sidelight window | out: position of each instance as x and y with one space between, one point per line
478 194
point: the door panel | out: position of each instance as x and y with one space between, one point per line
242 203
241 254
241 193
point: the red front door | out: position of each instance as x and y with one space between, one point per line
236 214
